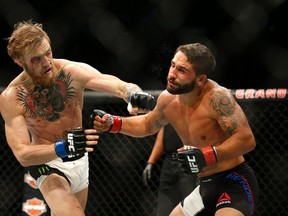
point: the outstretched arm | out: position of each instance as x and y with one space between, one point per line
136 126
91 78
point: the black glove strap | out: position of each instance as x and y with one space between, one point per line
72 157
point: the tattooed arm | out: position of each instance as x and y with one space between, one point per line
17 135
233 121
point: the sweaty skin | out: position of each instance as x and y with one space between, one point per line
202 112
207 115
42 103
48 96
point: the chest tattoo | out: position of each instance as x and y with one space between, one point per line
47 102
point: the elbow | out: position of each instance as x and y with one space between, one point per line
23 159
251 142
23 162
248 141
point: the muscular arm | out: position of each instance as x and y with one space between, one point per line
140 126
135 126
18 137
233 121
94 80
19 141
148 124
41 148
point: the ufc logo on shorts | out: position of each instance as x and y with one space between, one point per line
193 166
71 147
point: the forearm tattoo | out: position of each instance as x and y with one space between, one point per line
225 106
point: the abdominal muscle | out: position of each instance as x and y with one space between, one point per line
45 132
209 135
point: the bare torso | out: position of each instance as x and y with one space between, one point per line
49 111
198 127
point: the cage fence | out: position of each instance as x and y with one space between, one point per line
116 166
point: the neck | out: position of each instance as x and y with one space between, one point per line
193 97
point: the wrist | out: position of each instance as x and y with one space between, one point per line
210 155
117 124
60 148
149 165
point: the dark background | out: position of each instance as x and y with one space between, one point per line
135 39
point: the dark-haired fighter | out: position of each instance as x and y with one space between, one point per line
213 126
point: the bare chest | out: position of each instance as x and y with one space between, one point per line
49 111
196 126
51 127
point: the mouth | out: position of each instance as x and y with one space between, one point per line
171 84
49 70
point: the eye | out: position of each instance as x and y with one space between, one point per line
172 65
36 59
181 69
49 53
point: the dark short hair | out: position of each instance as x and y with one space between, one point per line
200 57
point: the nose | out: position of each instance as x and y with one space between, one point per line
46 61
172 72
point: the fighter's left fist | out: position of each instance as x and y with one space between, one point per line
193 160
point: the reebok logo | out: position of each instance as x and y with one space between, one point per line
223 199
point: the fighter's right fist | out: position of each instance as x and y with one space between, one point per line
105 122
140 103
73 143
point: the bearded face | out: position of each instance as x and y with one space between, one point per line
37 61
174 87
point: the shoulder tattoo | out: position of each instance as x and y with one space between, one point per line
47 101
225 106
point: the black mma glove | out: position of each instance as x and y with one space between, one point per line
142 100
116 121
147 173
193 160
74 143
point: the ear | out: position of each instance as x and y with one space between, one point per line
19 62
202 79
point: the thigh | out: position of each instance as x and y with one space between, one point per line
165 203
239 191
228 211
58 195
186 183
82 197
